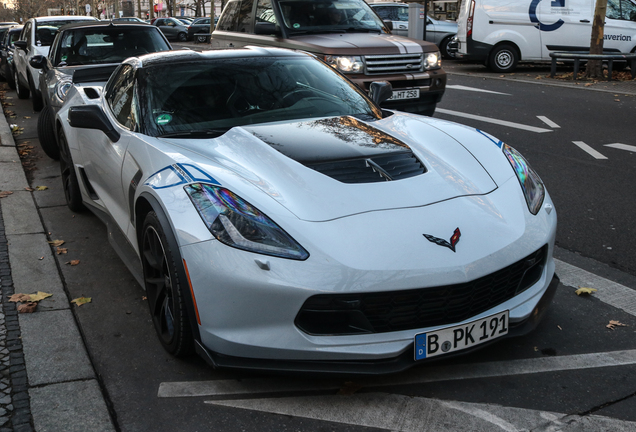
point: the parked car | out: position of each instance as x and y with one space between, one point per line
185 20
87 52
200 25
437 31
247 185
36 39
6 54
348 35
4 26
129 19
172 28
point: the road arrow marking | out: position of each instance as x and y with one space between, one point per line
493 120
474 89
589 150
620 146
549 122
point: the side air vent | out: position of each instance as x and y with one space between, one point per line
386 167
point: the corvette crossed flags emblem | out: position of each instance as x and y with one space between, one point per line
441 242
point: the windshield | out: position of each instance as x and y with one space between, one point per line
184 99
306 16
107 45
45 32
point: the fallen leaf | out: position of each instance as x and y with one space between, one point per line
613 324
81 300
617 100
27 307
502 76
583 290
19 297
27 117
56 243
41 188
4 194
559 327
41 258
39 296
144 298
588 84
61 251
349 388
73 262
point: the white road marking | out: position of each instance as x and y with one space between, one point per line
493 120
418 414
620 146
589 150
474 89
549 122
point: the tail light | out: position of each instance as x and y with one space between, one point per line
469 21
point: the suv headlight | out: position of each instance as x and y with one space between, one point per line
531 183
432 60
237 223
347 64
62 87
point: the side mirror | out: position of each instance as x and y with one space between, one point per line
38 62
388 24
267 29
20 45
379 91
92 117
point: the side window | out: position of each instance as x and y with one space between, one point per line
26 33
384 12
245 16
227 21
264 12
159 22
120 97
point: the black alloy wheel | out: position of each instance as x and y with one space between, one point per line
70 184
46 134
182 37
164 290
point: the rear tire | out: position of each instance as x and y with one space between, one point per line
46 134
182 37
72 191
36 97
11 79
22 91
503 58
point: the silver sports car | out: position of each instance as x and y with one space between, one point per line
279 219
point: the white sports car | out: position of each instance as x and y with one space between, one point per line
280 220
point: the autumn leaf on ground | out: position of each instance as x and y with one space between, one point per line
81 300
4 194
349 388
583 290
19 297
41 188
73 262
27 117
27 307
61 251
56 243
39 296
613 324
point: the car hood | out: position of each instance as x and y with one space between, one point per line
280 159
358 43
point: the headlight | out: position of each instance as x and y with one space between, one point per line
432 60
237 223
532 186
62 87
345 63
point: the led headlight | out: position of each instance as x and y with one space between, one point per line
237 223
532 186
432 60
345 63
62 87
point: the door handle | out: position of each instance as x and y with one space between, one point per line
584 21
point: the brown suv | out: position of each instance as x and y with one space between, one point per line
346 34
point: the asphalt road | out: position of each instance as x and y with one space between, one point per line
567 366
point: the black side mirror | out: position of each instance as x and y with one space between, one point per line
21 45
267 29
38 62
388 24
92 117
379 91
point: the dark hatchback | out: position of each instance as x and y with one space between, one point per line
11 35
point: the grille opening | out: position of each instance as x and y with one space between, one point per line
347 314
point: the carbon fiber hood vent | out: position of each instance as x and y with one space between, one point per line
394 166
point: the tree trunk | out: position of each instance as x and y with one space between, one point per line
594 68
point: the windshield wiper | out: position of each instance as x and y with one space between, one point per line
196 133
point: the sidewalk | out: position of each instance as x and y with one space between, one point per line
47 382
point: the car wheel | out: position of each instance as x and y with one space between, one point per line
46 134
202 39
70 184
11 80
503 58
164 290
23 91
36 97
443 47
182 37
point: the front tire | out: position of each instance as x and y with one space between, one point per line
182 37
202 39
443 47
70 184
36 97
503 58
46 134
164 290
23 91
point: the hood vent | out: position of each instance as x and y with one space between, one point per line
386 167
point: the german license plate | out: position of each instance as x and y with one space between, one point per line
405 94
460 337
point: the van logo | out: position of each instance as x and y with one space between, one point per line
545 27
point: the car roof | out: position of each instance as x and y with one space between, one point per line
100 24
63 18
387 4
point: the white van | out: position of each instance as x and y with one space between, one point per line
501 33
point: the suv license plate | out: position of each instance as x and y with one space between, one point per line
405 94
460 337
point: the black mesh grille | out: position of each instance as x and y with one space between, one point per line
393 166
329 314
